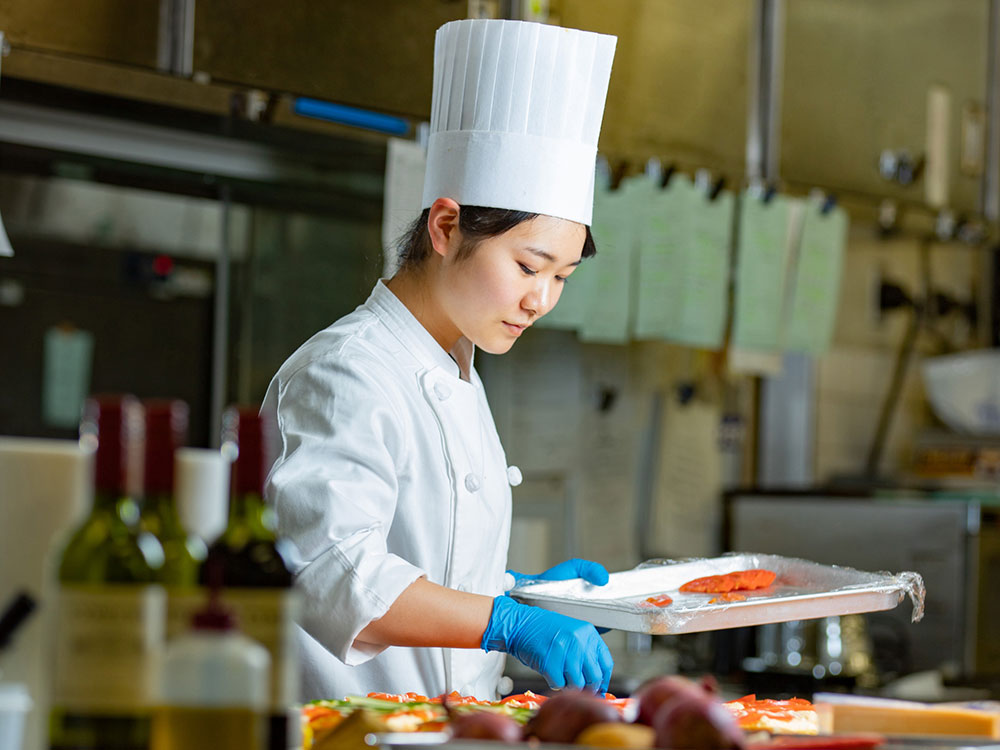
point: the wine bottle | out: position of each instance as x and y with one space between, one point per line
255 574
166 430
109 610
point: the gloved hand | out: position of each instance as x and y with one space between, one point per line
588 570
565 651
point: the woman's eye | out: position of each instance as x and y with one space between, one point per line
561 279
527 270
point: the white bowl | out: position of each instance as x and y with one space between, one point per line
964 390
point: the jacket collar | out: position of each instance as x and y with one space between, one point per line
418 339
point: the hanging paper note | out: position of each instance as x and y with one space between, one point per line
569 311
663 224
606 309
761 272
813 308
405 162
706 272
65 375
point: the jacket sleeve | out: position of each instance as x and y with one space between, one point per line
334 488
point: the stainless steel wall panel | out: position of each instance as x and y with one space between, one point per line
856 80
378 55
678 87
123 31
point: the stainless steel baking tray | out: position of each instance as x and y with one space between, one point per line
803 590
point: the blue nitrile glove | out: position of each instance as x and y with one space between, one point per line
588 570
565 651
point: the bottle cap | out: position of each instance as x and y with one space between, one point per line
166 431
248 436
110 425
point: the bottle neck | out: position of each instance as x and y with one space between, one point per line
118 505
248 510
159 514
107 501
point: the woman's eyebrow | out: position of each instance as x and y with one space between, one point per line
547 256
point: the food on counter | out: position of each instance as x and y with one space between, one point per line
661 600
792 716
739 580
851 713
406 712
670 711
617 734
653 694
691 721
348 734
485 725
562 717
686 715
481 725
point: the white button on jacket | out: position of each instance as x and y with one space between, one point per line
380 436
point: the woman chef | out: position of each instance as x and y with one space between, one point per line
391 481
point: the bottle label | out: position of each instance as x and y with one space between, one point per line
268 616
107 641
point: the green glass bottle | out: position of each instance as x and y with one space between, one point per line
166 430
109 610
255 575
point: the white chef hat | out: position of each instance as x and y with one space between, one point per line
515 115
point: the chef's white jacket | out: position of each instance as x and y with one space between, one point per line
390 468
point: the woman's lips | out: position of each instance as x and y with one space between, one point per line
514 328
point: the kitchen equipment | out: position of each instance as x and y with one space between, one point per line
802 590
964 390
953 543
836 646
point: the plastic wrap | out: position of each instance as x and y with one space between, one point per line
802 590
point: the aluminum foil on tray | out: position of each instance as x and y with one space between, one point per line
802 590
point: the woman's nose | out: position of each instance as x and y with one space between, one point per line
536 301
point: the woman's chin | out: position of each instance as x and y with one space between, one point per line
495 346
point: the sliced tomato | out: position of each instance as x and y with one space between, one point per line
524 698
620 703
739 580
729 596
388 697
660 600
455 698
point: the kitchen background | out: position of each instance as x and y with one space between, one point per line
178 230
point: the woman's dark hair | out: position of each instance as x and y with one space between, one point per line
477 223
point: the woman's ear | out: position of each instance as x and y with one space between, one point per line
442 225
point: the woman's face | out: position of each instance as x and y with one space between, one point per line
510 281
